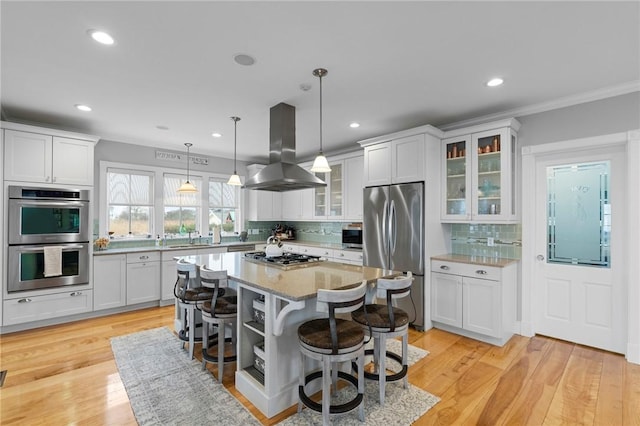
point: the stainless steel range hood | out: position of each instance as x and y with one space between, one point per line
282 174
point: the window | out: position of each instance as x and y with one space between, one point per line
129 202
181 211
223 206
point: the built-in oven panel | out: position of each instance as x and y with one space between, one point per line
26 271
46 221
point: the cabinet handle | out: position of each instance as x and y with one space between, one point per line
47 178
75 293
144 257
27 300
481 272
444 267
341 254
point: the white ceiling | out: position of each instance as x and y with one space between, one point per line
392 65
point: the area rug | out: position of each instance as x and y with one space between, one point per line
165 387
401 406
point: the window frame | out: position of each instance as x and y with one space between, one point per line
158 202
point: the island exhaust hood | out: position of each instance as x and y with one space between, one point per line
282 174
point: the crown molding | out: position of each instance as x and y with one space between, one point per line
567 101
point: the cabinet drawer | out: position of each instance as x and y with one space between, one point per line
26 309
147 256
348 255
467 270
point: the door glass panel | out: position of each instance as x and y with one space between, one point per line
335 203
32 265
320 197
579 214
50 220
489 175
456 177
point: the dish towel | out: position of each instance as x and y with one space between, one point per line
52 261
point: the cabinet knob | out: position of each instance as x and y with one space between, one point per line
26 300
540 257
481 272
444 267
75 293
341 254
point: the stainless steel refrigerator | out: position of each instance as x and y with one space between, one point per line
393 238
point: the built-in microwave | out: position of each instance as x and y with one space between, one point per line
352 236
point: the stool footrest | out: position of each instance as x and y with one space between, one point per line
184 335
214 358
333 409
389 377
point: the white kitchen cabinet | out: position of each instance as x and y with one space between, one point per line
169 271
109 281
396 161
352 257
474 300
292 205
478 174
43 158
143 277
353 185
35 308
263 205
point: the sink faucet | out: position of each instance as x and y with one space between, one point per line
191 241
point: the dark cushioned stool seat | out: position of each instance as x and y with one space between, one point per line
316 333
224 305
378 316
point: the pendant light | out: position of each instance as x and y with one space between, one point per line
235 179
187 187
320 164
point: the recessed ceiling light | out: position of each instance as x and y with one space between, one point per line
81 107
161 127
244 59
354 125
216 135
101 37
495 82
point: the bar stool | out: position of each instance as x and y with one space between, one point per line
332 341
382 322
218 311
188 293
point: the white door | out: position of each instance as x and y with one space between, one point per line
579 283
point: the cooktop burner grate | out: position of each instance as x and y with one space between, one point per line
286 260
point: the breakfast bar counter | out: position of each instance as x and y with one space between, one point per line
272 303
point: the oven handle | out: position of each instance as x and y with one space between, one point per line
24 202
41 248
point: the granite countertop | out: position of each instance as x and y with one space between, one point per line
293 284
475 260
170 248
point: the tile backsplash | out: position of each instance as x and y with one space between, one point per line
489 240
313 232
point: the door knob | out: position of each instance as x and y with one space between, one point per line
540 257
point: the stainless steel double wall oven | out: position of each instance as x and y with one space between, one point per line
47 217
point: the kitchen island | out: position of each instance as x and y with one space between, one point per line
272 303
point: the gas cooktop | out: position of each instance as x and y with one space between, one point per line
286 261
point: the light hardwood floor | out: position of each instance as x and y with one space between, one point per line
66 374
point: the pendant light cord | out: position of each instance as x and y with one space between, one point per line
320 75
235 143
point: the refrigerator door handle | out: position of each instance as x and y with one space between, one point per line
385 225
392 227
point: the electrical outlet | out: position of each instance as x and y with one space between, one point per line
490 241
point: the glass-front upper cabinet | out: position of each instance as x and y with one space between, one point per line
479 176
328 199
